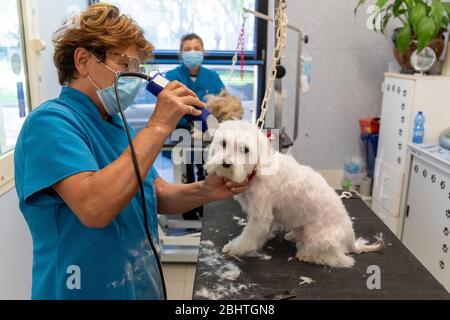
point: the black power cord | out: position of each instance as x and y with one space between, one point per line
138 172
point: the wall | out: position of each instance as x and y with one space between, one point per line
348 65
15 238
15 250
51 15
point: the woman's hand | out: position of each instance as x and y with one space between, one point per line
175 101
217 188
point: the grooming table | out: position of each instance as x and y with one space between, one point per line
402 275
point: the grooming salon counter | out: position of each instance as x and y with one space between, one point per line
273 273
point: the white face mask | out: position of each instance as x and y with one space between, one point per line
128 90
192 59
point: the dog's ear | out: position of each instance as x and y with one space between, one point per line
238 110
209 100
224 93
265 154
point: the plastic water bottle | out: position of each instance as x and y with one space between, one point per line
419 129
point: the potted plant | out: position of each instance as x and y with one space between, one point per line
424 23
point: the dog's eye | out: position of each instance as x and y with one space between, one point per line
244 150
224 144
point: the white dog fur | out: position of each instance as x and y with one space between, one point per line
283 193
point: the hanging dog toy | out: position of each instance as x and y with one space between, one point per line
240 49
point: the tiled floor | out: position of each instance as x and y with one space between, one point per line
179 280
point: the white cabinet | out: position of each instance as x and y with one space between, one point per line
403 97
427 219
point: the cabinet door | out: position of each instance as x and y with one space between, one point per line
388 186
426 228
439 205
393 223
387 195
398 95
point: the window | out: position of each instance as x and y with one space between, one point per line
218 22
14 99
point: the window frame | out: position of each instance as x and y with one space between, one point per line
7 159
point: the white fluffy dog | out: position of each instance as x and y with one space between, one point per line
283 193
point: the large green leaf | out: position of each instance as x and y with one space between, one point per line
403 38
446 6
396 9
437 12
425 32
418 12
409 4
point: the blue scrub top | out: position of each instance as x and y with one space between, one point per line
59 139
207 82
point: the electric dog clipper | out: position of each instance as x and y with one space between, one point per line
158 82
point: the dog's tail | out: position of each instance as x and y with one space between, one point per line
361 245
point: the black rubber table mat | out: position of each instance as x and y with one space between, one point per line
402 276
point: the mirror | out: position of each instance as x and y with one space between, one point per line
423 61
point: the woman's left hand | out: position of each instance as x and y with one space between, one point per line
217 188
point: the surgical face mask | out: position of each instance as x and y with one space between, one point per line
128 90
192 59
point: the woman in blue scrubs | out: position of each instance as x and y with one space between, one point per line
203 82
74 174
191 73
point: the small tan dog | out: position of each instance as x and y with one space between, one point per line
225 106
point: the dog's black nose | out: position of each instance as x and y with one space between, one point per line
226 165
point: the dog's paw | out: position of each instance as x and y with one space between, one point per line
290 236
236 248
271 235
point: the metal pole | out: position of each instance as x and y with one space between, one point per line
301 40
298 82
267 18
278 82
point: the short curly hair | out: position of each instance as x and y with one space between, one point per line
99 29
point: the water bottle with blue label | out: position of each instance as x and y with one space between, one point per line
419 129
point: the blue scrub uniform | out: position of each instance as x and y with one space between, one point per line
61 138
207 82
